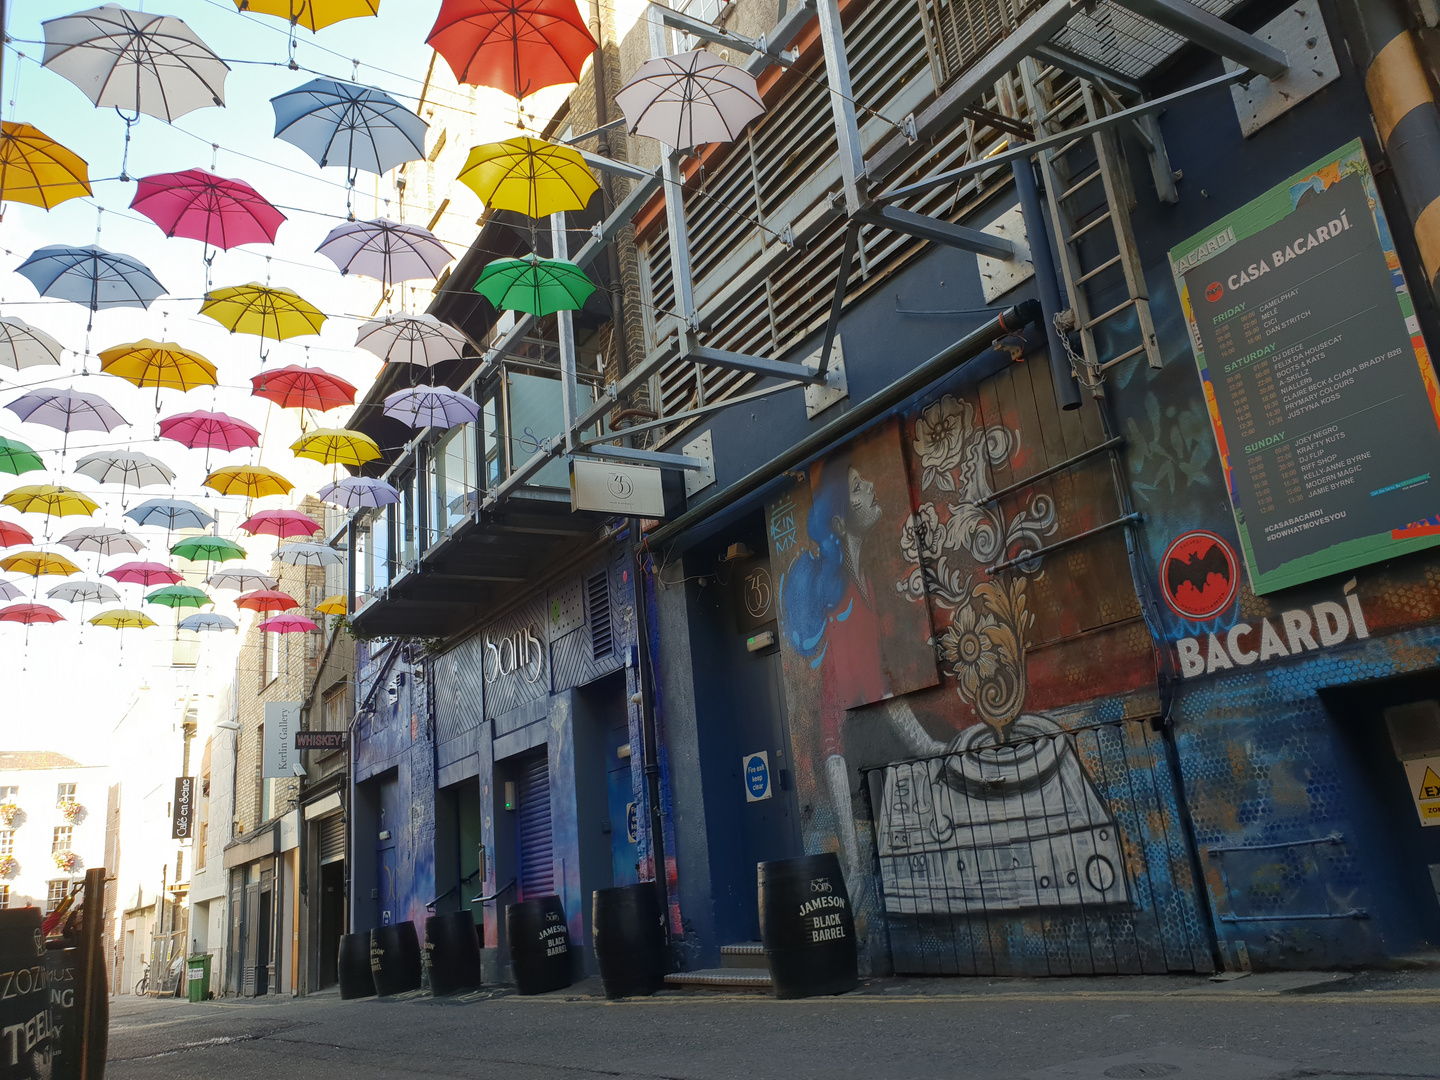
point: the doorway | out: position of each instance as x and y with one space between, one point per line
332 920
534 839
263 942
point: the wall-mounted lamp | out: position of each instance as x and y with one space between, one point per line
510 801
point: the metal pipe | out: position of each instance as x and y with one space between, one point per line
648 734
967 348
1047 282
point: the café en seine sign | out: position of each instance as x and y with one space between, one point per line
1301 630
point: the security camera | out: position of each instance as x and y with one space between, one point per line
299 770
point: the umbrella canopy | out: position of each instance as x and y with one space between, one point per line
311 14
266 600
209 431
422 340
126 467
178 596
352 126
518 46
264 310
103 540
303 554
206 620
30 614
287 624
67 410
538 286
281 523
529 176
153 64
336 446
208 549
199 205
22 346
171 513
359 492
333 605
9 591
123 619
36 563
145 573
296 387
385 250
17 458
431 406
51 500
242 578
252 481
161 364
690 99
37 170
84 592
91 276
13 535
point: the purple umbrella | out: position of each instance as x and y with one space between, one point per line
358 492
67 410
385 250
431 406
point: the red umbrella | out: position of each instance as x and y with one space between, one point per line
12 535
296 387
202 206
210 430
30 613
267 600
491 42
281 523
287 624
145 573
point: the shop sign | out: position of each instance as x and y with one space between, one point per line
1302 630
182 819
608 488
320 740
282 719
757 776
522 652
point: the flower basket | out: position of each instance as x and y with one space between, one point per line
70 810
7 813
9 866
66 860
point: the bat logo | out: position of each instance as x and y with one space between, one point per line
1214 291
1199 575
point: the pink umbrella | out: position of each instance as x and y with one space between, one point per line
145 573
201 206
287 624
210 430
281 523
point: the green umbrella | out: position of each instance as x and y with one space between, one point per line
17 458
538 286
208 548
177 596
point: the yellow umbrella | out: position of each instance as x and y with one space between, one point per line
36 563
161 364
333 605
123 619
529 176
50 499
252 481
35 169
311 14
264 310
336 446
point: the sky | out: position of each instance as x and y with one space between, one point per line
67 684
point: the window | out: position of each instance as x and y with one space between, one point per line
179 865
334 714
7 842
4 897
270 671
200 842
706 11
65 793
58 891
64 836
9 794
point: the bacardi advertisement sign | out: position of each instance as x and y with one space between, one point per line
182 819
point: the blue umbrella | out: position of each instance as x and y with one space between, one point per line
206 621
345 124
91 276
358 492
172 513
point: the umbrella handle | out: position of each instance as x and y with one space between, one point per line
130 121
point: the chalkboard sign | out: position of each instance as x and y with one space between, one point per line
1320 390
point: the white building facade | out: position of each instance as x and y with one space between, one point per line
52 826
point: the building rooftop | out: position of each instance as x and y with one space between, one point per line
35 759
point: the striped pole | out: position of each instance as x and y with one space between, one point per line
1406 118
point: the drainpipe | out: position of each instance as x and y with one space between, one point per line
607 188
1405 115
1067 392
649 738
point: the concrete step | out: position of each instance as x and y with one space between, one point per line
747 954
720 979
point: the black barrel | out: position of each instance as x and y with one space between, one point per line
452 952
807 927
26 1043
539 944
395 958
62 972
629 934
353 966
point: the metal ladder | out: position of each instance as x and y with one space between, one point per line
1088 190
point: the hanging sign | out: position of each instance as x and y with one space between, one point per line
1423 775
320 740
603 486
282 720
1324 405
182 818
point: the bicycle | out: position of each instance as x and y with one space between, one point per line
142 987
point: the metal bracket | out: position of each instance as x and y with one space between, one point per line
703 448
835 388
757 365
1300 31
1212 32
999 276
936 230
648 457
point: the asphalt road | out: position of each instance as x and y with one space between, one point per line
1260 1028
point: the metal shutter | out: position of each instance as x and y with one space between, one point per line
332 839
537 860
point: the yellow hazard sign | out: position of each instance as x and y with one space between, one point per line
1424 777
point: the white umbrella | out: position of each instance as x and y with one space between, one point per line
23 346
206 621
8 591
67 410
241 578
422 340
84 592
101 539
431 406
690 99
125 467
385 250
308 555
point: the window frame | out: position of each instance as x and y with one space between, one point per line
65 833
